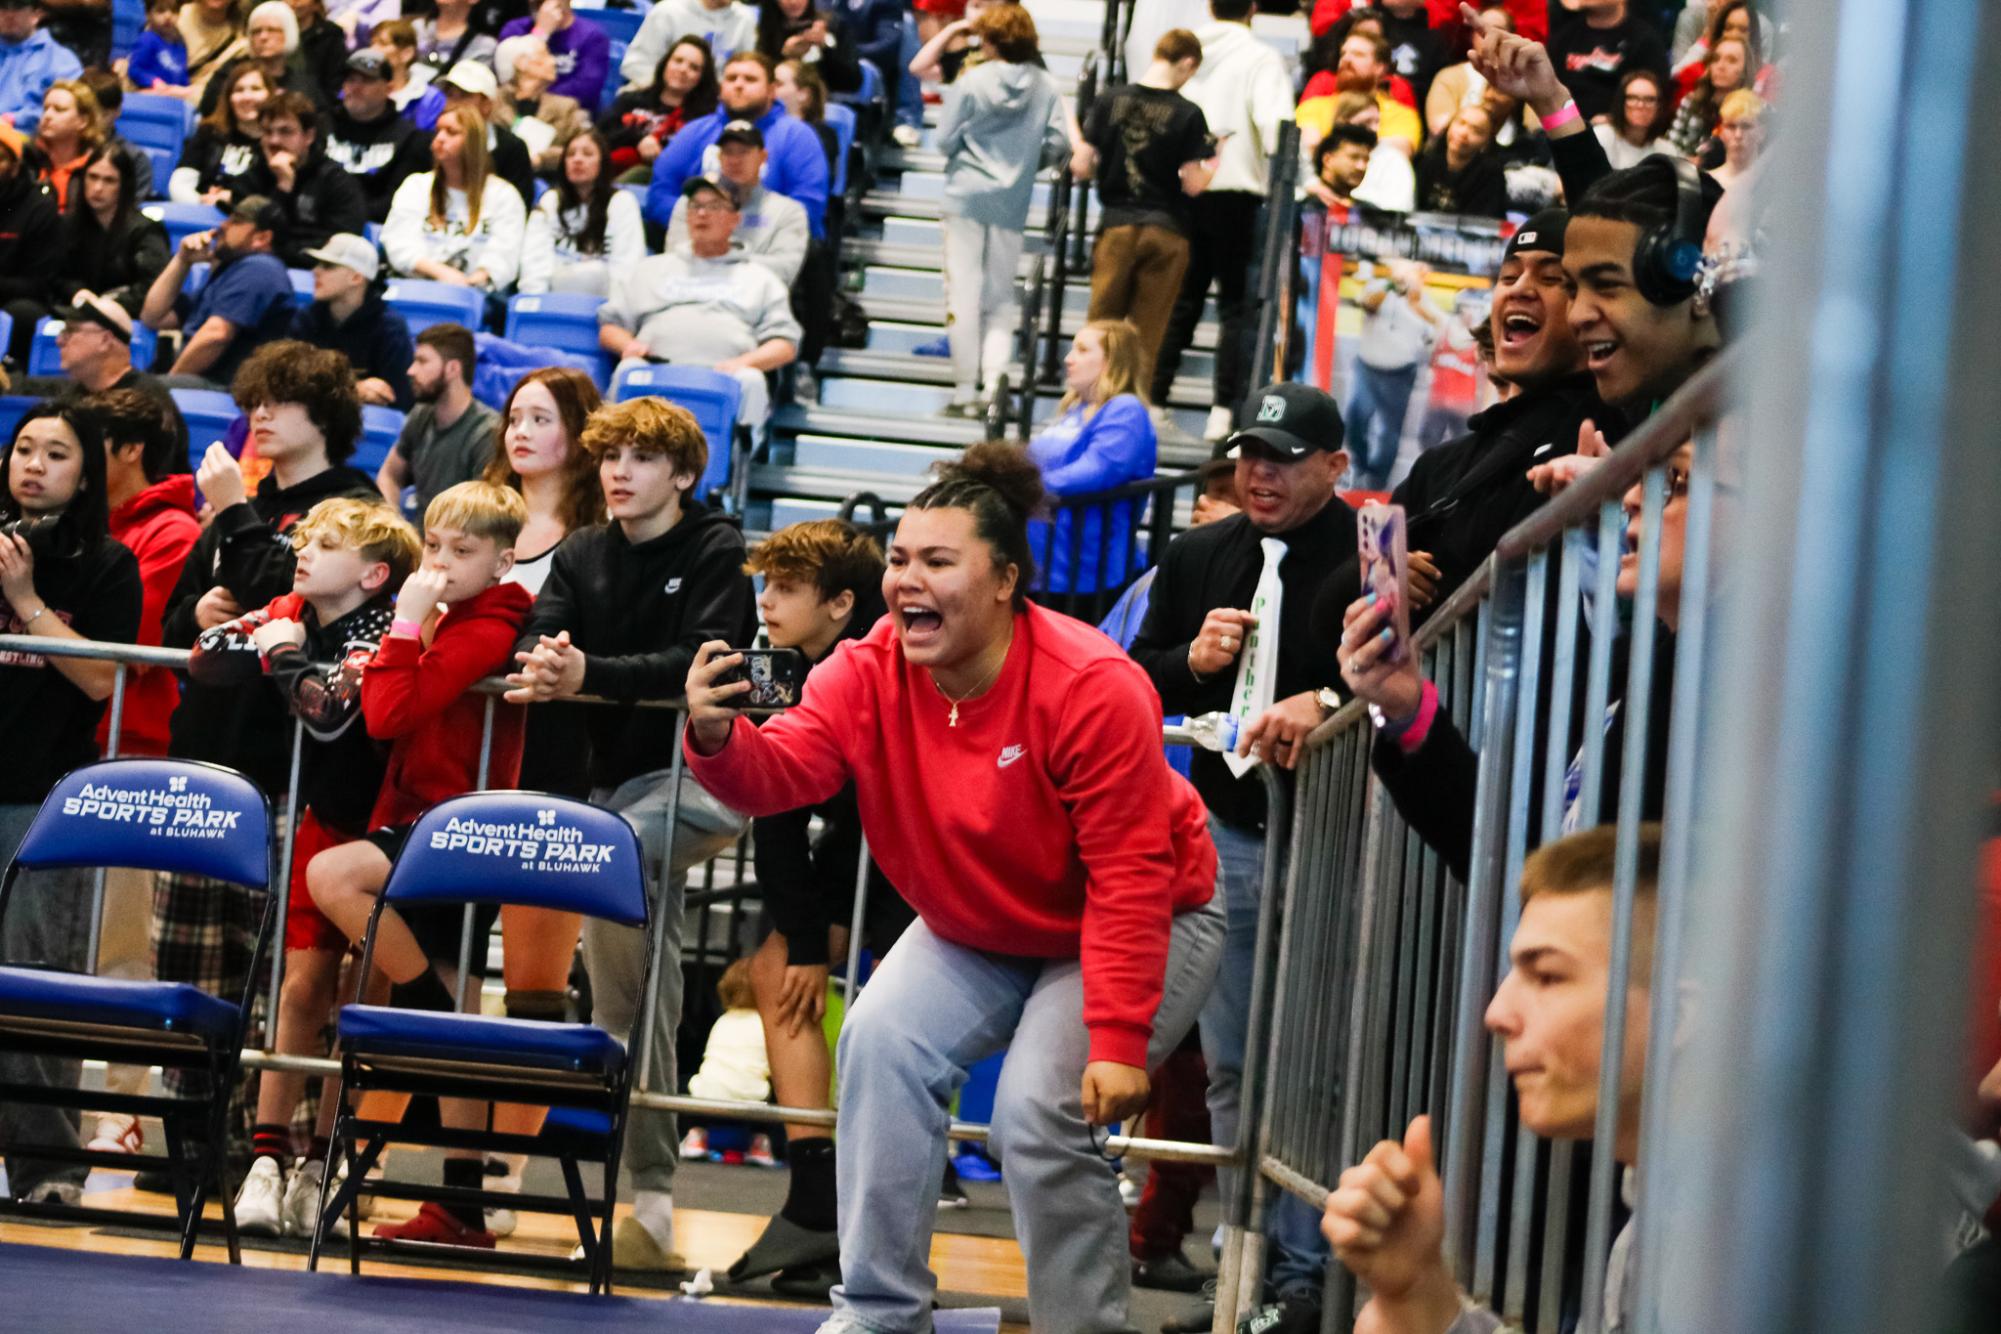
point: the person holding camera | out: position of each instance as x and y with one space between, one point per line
62 577
1065 894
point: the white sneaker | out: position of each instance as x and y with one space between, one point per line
502 1173
260 1204
117 1134
56 1192
1222 421
302 1197
907 136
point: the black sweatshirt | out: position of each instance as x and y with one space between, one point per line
340 769
246 550
803 881
323 200
1217 565
639 613
30 238
50 725
380 154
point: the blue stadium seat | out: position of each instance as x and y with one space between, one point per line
302 286
13 407
614 58
45 358
842 118
713 397
379 429
869 93
564 320
159 125
620 25
372 233
152 815
424 304
209 414
6 329
527 849
128 19
181 220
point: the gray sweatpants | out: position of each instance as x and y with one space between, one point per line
615 956
48 921
931 1010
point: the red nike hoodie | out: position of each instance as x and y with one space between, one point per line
159 527
416 696
1046 824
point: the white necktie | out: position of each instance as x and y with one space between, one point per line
1257 666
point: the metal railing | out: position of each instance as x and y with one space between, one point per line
1386 961
1278 270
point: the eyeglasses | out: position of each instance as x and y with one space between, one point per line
1646 98
710 208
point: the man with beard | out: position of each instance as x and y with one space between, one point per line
448 437
246 301
1364 68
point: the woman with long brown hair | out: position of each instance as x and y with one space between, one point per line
225 142
460 222
537 453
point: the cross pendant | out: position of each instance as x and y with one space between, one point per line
952 719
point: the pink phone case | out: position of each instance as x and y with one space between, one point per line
1386 568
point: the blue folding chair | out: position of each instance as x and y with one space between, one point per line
152 815
45 357
530 849
843 120
181 220
567 321
713 397
379 429
209 414
159 125
423 304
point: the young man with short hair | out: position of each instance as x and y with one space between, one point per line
292 169
1386 1217
1150 150
450 436
797 166
352 556
1340 164
246 302
304 420
347 315
822 586
626 606
368 139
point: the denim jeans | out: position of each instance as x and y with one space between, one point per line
1299 1254
1376 410
932 1009
48 921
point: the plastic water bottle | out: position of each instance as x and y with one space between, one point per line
1214 731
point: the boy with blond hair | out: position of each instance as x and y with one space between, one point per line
455 624
351 556
626 605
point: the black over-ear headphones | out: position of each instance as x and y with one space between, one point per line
1668 258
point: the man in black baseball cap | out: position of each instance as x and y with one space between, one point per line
368 139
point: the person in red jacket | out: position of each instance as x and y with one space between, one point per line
455 624
152 499
1008 767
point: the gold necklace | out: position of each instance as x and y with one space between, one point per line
952 719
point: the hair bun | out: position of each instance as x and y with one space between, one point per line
1004 467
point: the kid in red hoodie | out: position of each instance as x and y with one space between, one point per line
455 624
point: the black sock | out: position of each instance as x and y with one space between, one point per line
271 1140
321 1145
470 1174
810 1200
425 991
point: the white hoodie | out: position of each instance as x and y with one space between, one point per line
1245 92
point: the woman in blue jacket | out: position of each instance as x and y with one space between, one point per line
1101 438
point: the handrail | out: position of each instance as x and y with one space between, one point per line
1277 264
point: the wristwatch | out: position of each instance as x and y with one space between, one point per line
1328 699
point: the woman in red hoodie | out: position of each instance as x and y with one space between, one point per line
1008 766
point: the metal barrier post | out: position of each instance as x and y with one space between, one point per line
643 1031
855 921
466 918
97 877
284 889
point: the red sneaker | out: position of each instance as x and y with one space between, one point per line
436 1225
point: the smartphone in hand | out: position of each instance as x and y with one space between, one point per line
777 678
1385 568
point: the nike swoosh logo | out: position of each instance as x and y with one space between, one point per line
1542 450
1009 754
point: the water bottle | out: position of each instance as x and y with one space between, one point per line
1214 731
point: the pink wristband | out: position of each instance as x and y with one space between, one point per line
411 629
1565 114
1411 738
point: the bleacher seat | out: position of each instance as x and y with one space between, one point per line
614 58
372 233
424 304
13 407
159 125
6 330
620 25
842 118
102 815
209 414
181 220
869 93
579 1067
713 397
379 428
128 20
302 286
564 320
45 358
